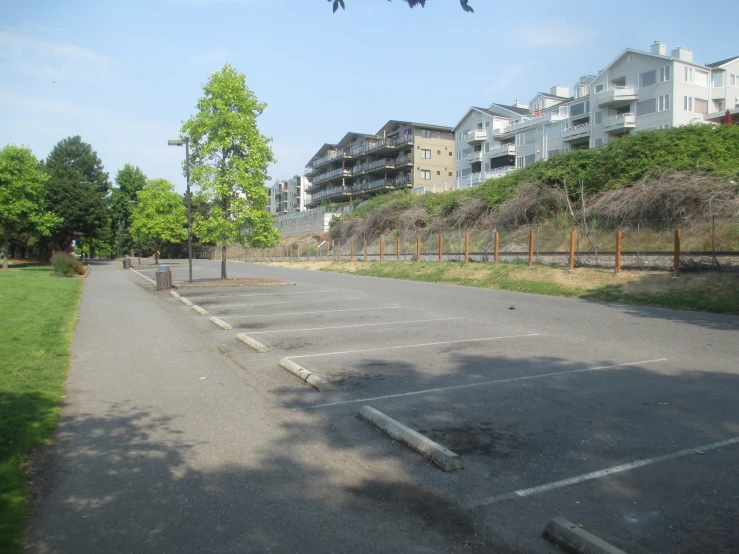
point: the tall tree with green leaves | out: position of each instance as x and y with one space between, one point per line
160 214
22 206
76 191
229 159
129 180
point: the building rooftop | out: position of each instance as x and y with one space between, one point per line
722 62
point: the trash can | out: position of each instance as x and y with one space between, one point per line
126 262
164 277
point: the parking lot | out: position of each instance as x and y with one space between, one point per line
621 419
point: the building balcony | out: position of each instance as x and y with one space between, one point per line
328 194
504 150
378 184
619 124
578 132
529 123
615 96
330 176
473 156
477 136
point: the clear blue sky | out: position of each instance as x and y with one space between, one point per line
124 75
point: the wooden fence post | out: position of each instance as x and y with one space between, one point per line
365 250
466 248
531 248
441 248
496 247
418 248
619 234
676 262
380 247
573 236
298 259
351 249
328 251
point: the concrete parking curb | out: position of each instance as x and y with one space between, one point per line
250 342
186 285
152 281
564 533
185 301
174 293
200 310
306 376
222 324
441 456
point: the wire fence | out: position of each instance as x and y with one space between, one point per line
652 245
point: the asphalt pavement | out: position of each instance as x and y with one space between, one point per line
177 437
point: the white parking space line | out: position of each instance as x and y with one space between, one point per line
350 326
316 312
255 294
412 346
485 383
275 303
604 473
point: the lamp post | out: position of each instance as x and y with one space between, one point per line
186 142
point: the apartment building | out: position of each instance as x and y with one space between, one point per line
400 155
288 196
636 91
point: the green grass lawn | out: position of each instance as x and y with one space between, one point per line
37 316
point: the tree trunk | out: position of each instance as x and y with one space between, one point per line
156 257
223 261
92 249
5 254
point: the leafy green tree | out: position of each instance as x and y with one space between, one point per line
160 215
21 196
411 3
129 180
229 159
76 191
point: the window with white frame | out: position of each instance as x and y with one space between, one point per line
425 133
701 78
734 80
487 124
663 103
718 105
425 154
459 136
487 147
554 131
688 74
598 88
529 138
466 172
664 74
563 110
648 78
688 103
598 142
519 161
717 79
645 107
459 155
701 106
519 139
598 118
579 109
528 160
425 174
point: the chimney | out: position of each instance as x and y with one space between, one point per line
559 90
521 105
659 48
683 54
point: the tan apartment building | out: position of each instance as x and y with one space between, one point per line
400 155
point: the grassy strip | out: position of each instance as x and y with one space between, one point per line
37 316
706 291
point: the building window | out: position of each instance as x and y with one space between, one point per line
663 103
487 147
579 109
648 78
425 133
701 78
529 138
598 118
487 124
487 167
456 174
701 106
719 105
688 74
598 88
645 107
734 80
425 174
519 161
528 160
554 131
459 155
717 79
688 104
598 142
438 172
425 154
554 152
438 152
450 174
664 74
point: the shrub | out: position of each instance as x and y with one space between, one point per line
66 265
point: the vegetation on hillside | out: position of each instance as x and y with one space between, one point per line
677 175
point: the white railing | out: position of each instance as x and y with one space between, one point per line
477 134
504 150
621 120
473 156
581 129
532 121
470 181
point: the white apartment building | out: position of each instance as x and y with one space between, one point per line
288 196
636 91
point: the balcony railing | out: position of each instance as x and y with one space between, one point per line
473 156
333 174
531 122
618 122
618 94
576 132
504 150
478 135
329 193
359 150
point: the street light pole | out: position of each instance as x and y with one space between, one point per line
186 142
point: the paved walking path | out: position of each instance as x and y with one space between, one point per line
164 446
